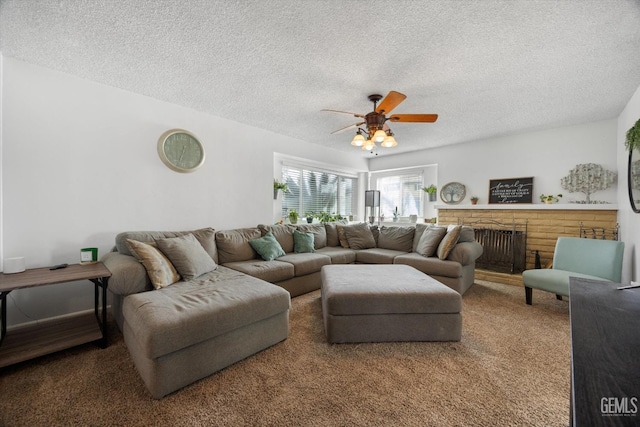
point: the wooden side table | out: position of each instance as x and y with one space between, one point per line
48 336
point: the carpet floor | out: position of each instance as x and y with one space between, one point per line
511 368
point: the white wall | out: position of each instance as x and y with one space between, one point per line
546 155
80 164
629 220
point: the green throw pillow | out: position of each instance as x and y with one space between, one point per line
302 242
268 247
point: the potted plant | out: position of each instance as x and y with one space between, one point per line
309 216
396 215
431 191
277 185
293 216
474 200
550 198
632 140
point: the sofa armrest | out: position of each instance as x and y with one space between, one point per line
465 252
128 276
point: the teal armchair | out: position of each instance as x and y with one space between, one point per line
576 257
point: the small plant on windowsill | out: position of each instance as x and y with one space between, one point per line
474 200
396 215
293 216
309 216
550 198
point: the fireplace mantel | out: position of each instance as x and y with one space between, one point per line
536 206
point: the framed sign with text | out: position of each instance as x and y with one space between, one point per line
511 190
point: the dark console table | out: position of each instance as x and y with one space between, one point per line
605 354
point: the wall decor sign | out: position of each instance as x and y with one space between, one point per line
511 190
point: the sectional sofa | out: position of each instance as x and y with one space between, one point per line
190 303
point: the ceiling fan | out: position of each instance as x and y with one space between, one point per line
376 121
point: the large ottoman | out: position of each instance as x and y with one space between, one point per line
380 303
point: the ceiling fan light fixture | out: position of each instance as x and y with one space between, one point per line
369 145
375 128
389 141
379 136
358 140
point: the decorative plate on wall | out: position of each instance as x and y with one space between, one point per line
453 193
180 150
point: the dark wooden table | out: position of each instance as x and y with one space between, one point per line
44 337
605 354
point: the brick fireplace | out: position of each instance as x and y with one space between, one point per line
545 223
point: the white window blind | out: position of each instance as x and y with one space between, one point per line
403 191
316 191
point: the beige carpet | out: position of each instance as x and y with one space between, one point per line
512 367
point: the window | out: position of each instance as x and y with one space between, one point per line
318 192
402 191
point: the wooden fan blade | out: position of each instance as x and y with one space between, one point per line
423 118
347 128
345 112
391 101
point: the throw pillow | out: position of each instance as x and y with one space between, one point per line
420 227
449 241
467 234
282 233
267 247
396 238
233 245
159 269
319 234
332 232
187 255
359 236
303 242
342 237
430 240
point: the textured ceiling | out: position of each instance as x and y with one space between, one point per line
488 68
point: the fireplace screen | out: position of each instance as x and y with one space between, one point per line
504 246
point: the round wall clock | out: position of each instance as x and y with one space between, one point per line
180 150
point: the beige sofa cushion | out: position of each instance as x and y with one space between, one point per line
269 271
377 256
420 228
338 255
430 240
187 255
431 266
467 234
358 236
306 263
233 245
396 238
